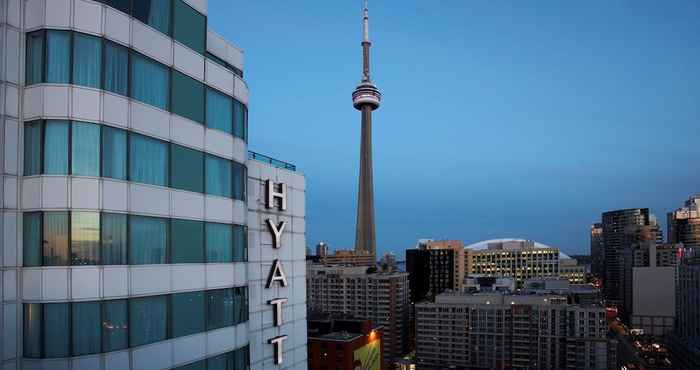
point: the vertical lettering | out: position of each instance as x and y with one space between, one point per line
277 303
276 275
277 342
276 232
273 194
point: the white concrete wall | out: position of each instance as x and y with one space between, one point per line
292 255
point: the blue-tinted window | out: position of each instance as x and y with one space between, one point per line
113 238
187 242
32 330
190 27
87 60
218 176
221 362
86 328
219 111
199 365
32 147
115 325
150 81
155 13
186 168
56 324
31 240
148 240
122 5
58 57
187 314
85 238
35 58
240 120
148 160
240 176
240 243
85 149
219 243
187 97
220 307
116 77
56 148
148 320
55 239
114 153
240 305
241 358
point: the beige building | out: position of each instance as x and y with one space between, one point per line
458 267
519 259
572 271
348 257
495 330
353 292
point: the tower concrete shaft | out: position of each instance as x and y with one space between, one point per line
366 98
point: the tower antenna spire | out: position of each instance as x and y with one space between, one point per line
365 42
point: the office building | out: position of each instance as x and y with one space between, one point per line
504 331
345 344
570 269
363 293
684 224
653 299
597 250
321 249
622 229
585 294
435 266
516 258
136 227
348 257
685 340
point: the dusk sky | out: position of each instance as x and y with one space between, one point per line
518 119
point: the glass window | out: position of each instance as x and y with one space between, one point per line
31 240
85 238
32 148
55 239
122 5
218 176
219 111
85 149
240 358
148 240
219 242
199 365
86 328
114 153
239 181
56 148
148 160
114 239
58 53
87 60
35 58
186 168
150 81
187 313
189 27
187 242
115 328
221 362
147 320
155 13
240 120
32 330
240 305
56 328
116 77
187 97
219 308
240 243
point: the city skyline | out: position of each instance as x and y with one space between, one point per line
549 115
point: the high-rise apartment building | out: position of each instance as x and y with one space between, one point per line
509 331
136 231
519 259
684 224
363 293
435 266
622 229
597 251
685 340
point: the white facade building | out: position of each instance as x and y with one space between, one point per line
137 232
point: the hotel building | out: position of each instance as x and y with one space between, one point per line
138 232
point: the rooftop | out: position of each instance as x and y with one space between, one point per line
271 161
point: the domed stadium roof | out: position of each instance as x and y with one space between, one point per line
482 245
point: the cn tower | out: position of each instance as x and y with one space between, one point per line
366 98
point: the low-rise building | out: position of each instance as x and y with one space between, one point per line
570 269
345 344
